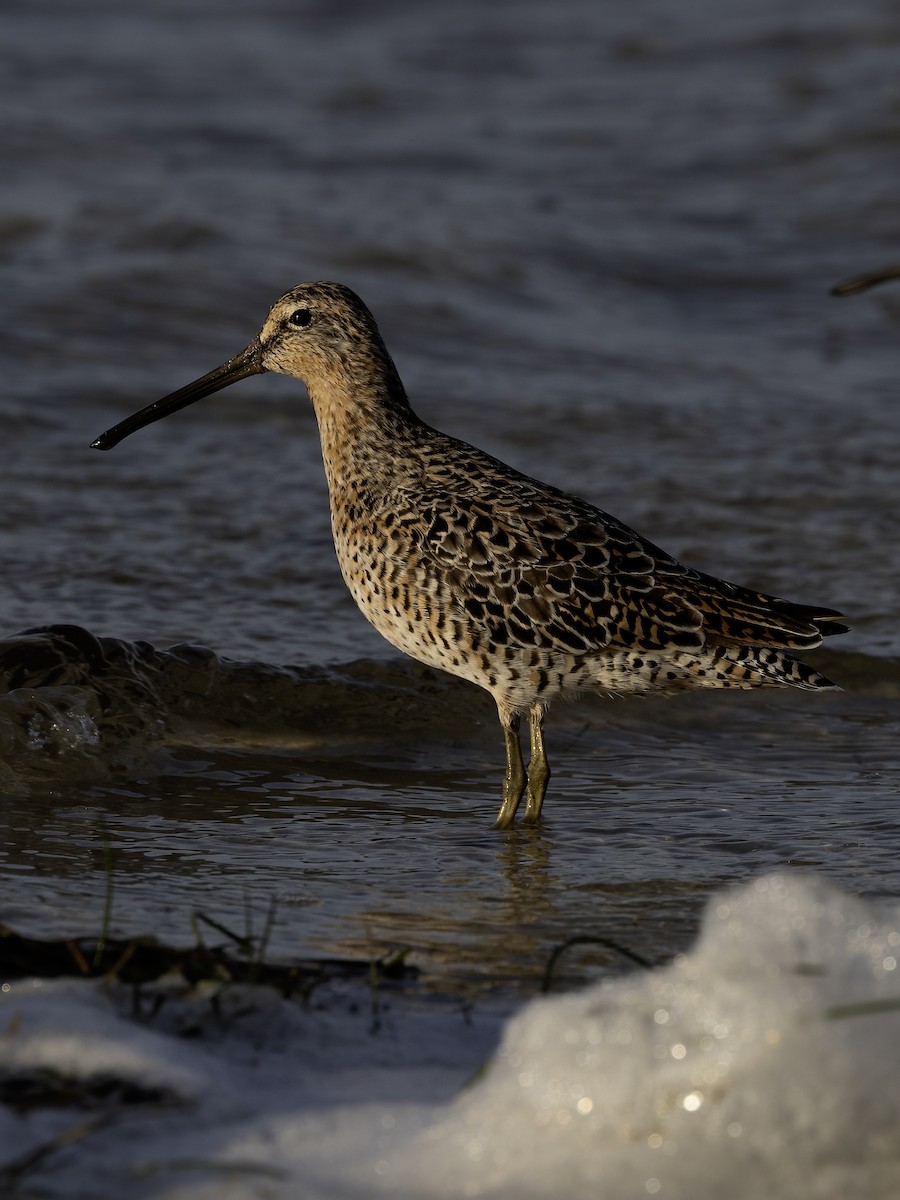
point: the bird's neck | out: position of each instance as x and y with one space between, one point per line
362 427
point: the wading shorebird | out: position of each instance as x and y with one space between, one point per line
467 565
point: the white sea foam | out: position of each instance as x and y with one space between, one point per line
762 1063
767 1061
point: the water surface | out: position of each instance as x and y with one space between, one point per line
599 241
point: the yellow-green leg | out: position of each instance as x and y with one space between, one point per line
514 779
538 768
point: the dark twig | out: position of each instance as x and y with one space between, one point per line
586 940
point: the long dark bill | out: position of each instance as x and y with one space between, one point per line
248 362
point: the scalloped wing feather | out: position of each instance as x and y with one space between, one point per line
545 569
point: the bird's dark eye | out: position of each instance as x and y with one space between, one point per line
301 317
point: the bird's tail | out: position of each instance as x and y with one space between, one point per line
746 667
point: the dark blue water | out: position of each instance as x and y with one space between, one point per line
599 241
